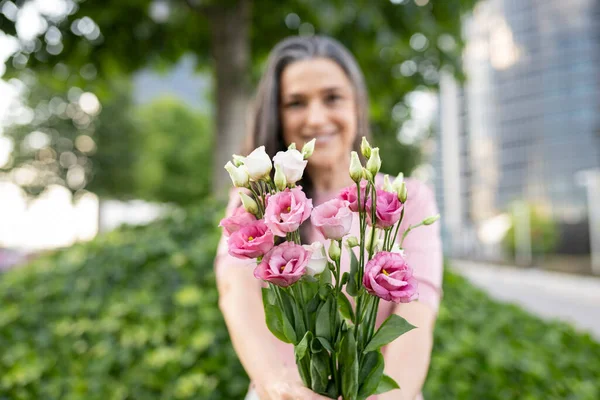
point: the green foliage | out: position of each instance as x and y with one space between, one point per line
544 233
132 314
176 145
488 350
378 33
75 148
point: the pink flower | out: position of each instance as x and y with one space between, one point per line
387 209
238 220
389 277
350 194
251 241
283 265
332 218
287 210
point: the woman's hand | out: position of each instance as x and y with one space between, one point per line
282 390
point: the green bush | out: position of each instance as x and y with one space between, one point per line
544 233
131 315
489 350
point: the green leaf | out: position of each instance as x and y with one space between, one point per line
313 305
349 366
325 277
345 307
391 329
300 348
268 296
371 372
353 285
324 320
319 372
316 346
325 343
288 330
345 277
386 384
274 321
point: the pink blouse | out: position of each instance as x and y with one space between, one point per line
423 251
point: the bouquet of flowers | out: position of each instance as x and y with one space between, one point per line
306 296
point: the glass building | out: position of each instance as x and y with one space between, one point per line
523 124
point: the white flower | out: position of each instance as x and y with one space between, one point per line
318 259
258 164
292 163
396 249
239 176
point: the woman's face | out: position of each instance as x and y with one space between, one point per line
318 101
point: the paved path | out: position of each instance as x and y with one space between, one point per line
571 298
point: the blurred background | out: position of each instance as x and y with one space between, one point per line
116 118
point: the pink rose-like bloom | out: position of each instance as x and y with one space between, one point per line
237 221
283 265
287 210
389 277
251 241
332 218
387 209
350 194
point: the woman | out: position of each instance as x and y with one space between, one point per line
313 88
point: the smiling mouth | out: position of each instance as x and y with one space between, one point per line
324 139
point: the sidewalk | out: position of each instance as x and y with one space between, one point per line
571 298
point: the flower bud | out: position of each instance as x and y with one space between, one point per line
280 181
387 186
238 160
431 220
398 181
292 146
356 169
249 204
308 149
367 175
402 193
334 250
352 241
365 148
239 176
374 163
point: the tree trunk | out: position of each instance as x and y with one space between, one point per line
230 35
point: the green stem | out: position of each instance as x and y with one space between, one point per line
407 231
398 226
373 220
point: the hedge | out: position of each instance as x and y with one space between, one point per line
133 315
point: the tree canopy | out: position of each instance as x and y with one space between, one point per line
401 46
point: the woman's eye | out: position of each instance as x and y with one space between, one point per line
293 104
332 98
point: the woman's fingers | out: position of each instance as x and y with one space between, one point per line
303 393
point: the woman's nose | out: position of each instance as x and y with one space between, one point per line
317 114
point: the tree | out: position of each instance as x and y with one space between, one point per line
400 45
175 156
74 139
